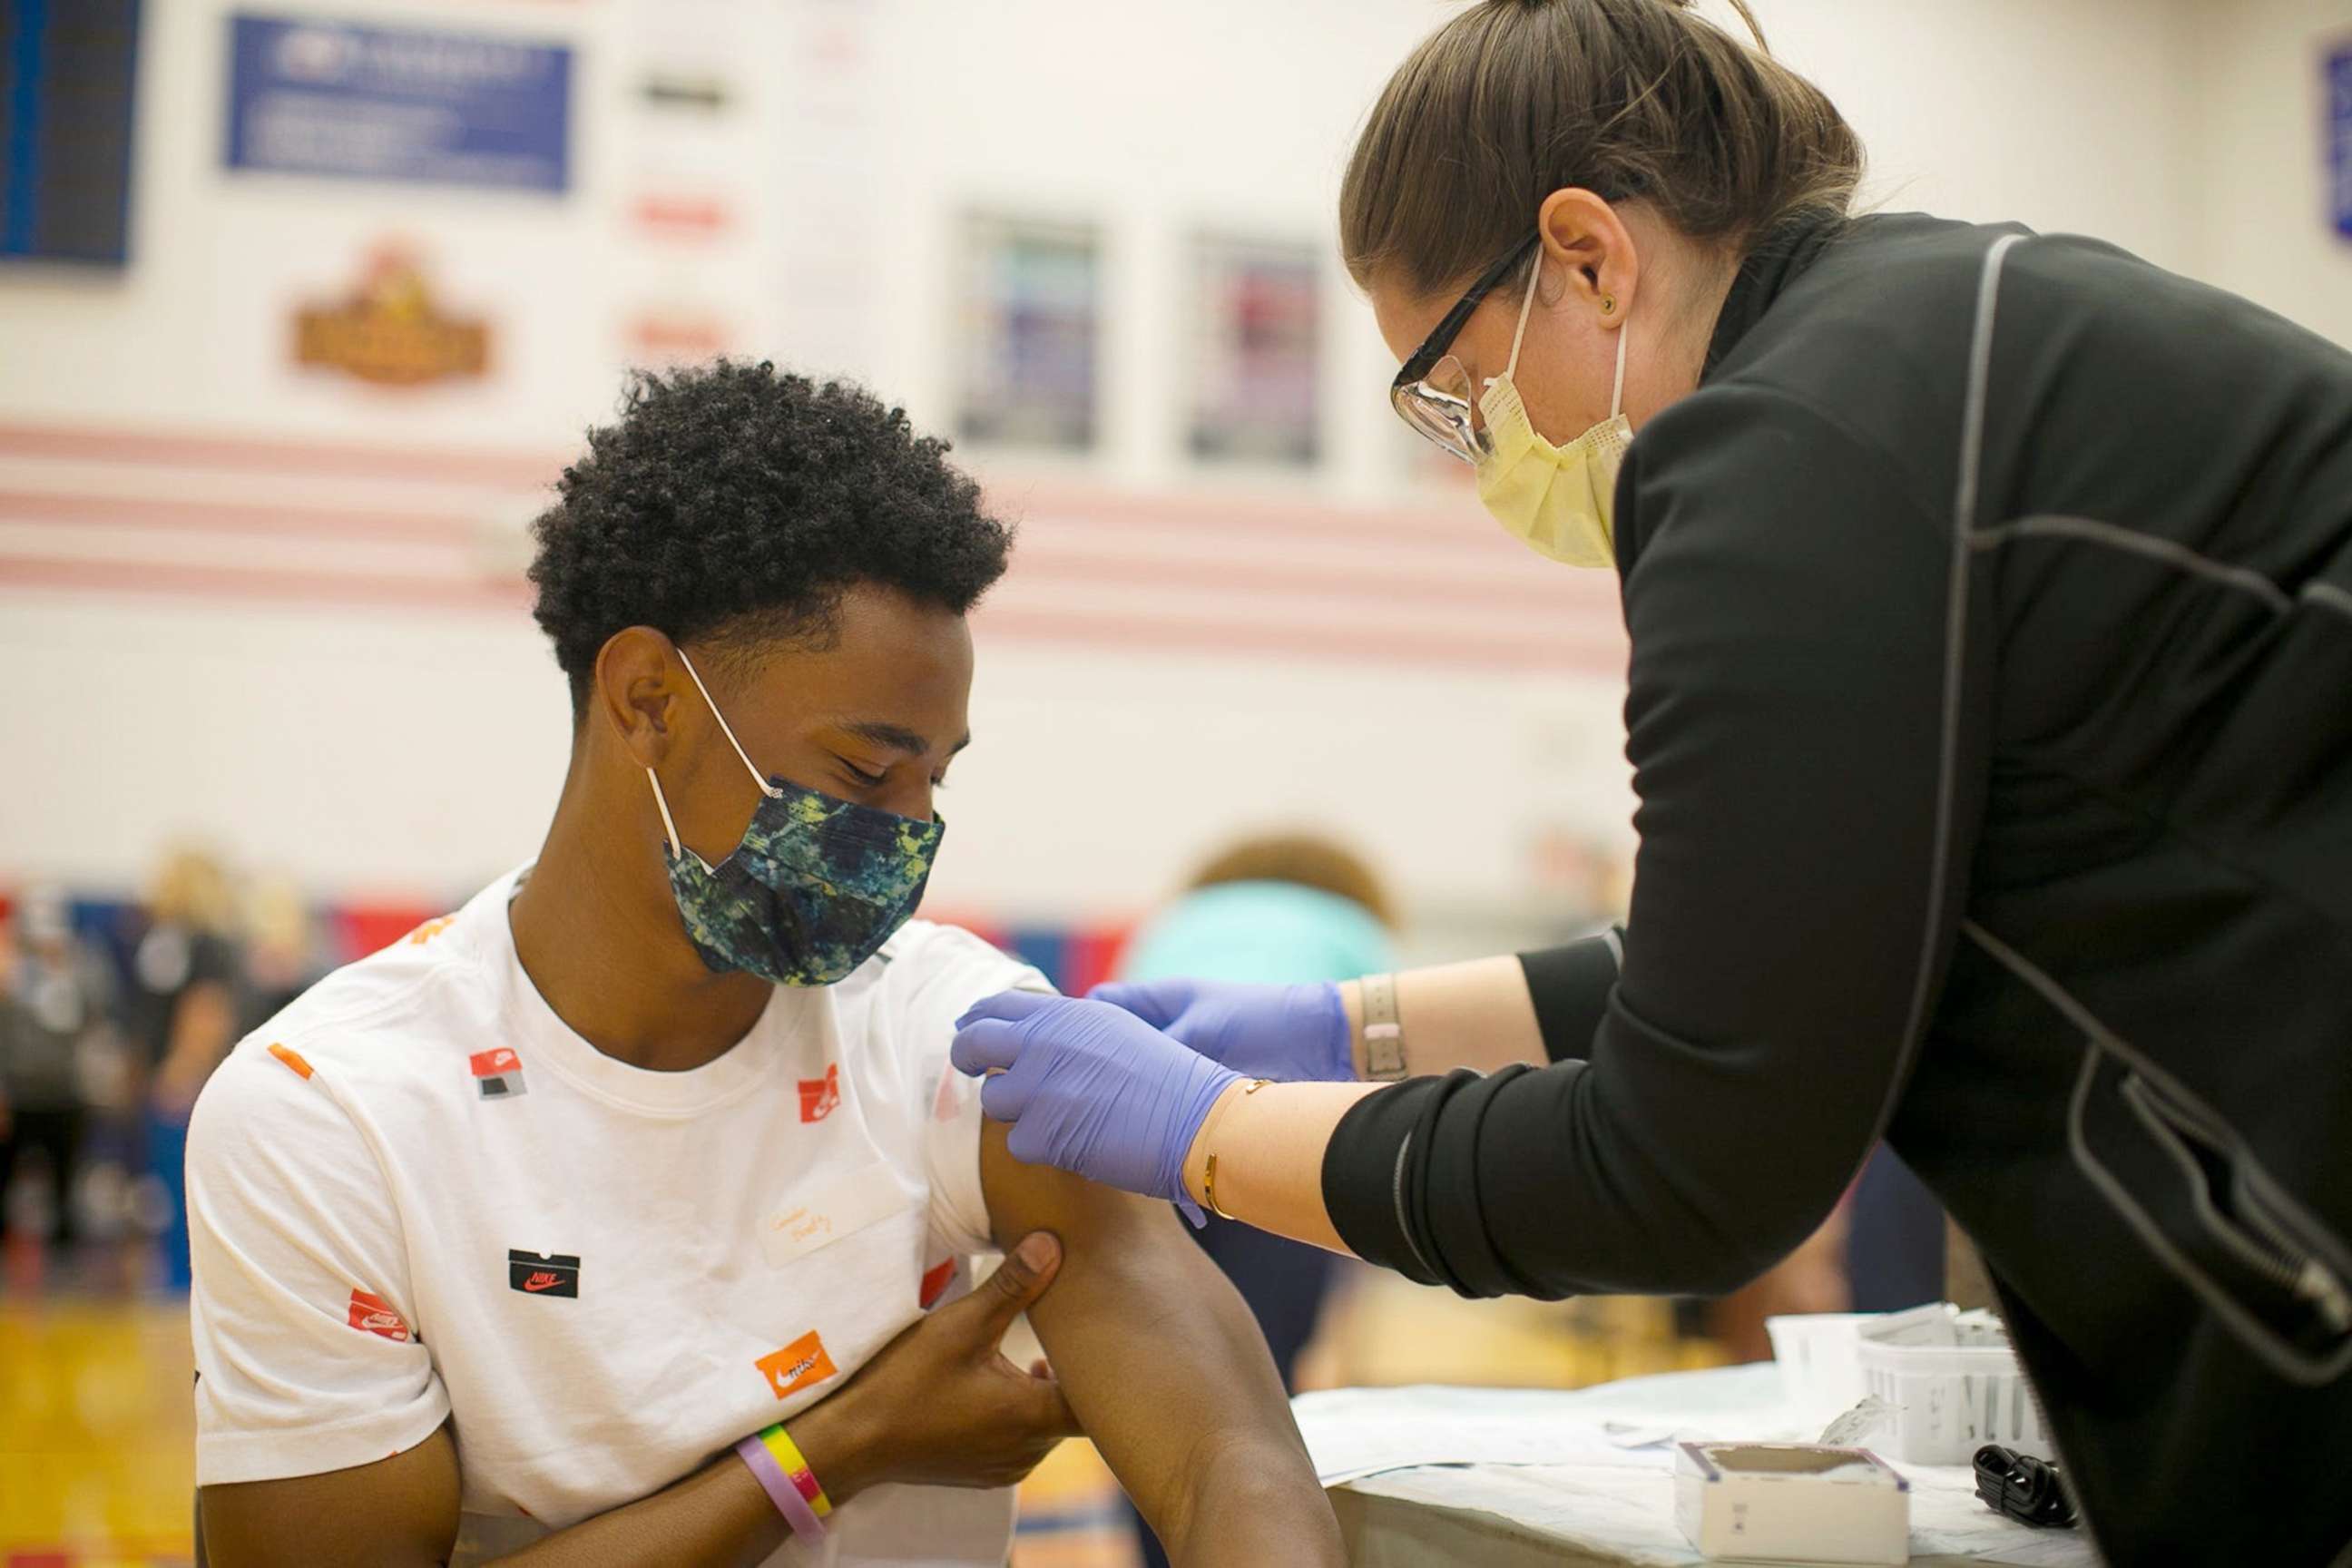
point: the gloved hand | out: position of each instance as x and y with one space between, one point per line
1090 1090
1294 1033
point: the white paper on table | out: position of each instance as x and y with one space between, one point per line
1356 1432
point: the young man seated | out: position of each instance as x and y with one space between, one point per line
610 1219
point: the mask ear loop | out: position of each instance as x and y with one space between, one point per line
771 791
1617 392
1535 275
1616 389
669 828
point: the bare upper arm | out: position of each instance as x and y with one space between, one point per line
1115 1246
1023 1198
399 1512
1154 1348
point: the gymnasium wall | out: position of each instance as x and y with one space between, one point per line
280 609
2262 217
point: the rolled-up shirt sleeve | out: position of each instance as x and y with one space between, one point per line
1786 598
1570 986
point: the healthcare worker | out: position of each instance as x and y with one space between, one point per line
1989 596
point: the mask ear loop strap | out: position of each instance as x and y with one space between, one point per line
669 828
1535 275
771 791
1617 392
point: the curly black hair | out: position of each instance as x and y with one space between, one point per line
738 502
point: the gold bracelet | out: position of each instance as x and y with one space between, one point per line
1209 1171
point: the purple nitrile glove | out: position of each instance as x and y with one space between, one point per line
1294 1033
1090 1090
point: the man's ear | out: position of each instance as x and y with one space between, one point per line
636 693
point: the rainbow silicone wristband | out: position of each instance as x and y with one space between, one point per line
788 1455
781 1490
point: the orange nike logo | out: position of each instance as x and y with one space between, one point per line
540 1280
796 1365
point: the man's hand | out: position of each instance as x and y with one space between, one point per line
939 1404
1292 1033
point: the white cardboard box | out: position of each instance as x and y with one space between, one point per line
1791 1502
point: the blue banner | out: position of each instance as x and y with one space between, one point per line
380 103
2339 138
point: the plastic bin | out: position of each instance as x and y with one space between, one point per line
1952 1382
1821 1362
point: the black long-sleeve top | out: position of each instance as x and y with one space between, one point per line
1991 712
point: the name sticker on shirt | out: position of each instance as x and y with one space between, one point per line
840 1208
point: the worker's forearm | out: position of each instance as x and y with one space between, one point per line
1475 1015
719 1517
1269 1148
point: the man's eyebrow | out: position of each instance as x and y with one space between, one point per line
893 737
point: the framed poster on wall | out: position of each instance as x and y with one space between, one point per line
1028 333
1255 348
383 103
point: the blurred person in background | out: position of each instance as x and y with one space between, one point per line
56 1013
280 948
181 1014
1281 908
1988 596
184 973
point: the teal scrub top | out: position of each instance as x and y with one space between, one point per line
1269 931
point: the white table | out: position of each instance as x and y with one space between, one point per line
1502 1477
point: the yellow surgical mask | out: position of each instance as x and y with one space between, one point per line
1558 500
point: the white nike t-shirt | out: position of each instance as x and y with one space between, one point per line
415 1195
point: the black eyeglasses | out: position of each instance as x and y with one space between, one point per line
1432 393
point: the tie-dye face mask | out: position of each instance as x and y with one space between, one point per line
814 888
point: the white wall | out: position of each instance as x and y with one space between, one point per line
2263 219
2063 114
297 637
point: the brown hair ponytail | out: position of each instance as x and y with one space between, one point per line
1513 99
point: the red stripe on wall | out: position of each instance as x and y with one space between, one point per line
512 470
1556 593
1365 643
191 581
1013 493
1540 619
239 517
1358 644
1399 590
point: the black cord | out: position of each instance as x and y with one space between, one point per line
2023 1488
